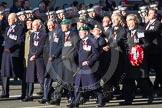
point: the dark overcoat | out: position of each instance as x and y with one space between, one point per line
36 67
12 63
86 78
55 49
69 55
116 41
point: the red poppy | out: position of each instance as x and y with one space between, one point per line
136 55
115 33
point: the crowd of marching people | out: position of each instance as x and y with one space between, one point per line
89 51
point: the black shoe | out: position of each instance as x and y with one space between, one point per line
43 101
101 105
39 93
150 100
4 96
69 100
125 103
73 105
82 101
27 99
55 102
21 97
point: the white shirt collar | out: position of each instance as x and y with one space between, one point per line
85 39
96 37
68 32
151 21
105 28
13 26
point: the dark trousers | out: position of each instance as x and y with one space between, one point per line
130 87
97 92
5 86
47 87
30 89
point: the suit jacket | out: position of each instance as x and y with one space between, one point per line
117 39
55 43
107 32
136 39
37 44
14 41
69 47
153 33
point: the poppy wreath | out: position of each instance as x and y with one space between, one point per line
136 55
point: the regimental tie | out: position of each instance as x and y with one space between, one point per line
67 36
84 42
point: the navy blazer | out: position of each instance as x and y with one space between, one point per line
15 45
153 33
37 50
117 42
55 43
88 55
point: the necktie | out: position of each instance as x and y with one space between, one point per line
66 36
84 42
148 25
9 30
132 34
35 36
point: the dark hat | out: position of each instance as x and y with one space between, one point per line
65 21
99 27
83 28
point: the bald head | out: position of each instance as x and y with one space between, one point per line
12 19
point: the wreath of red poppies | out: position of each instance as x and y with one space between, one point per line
136 55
